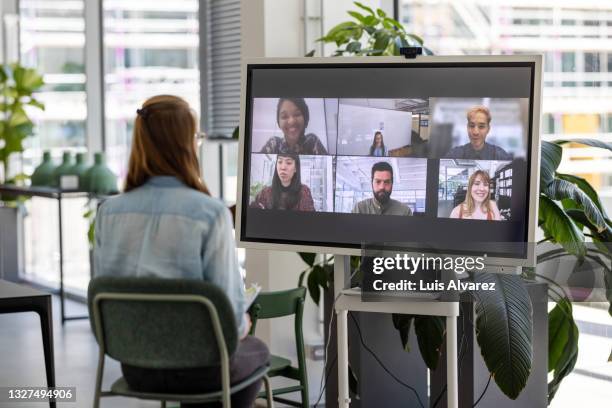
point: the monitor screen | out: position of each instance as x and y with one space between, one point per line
335 155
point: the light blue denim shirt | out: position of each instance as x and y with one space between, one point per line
169 230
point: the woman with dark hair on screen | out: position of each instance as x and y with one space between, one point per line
378 148
287 191
477 204
166 225
292 116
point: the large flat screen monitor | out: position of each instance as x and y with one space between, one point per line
338 152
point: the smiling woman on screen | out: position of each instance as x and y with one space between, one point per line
477 204
292 116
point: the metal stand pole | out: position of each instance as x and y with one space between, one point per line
61 259
451 364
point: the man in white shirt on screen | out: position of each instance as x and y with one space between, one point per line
382 186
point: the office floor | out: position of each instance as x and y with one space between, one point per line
22 362
76 356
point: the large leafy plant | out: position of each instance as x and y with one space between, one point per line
570 211
17 86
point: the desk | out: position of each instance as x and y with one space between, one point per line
57 194
17 298
349 299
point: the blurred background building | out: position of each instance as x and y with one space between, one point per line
575 37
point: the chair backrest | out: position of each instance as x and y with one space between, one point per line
269 305
162 323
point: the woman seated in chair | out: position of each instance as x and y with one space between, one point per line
166 225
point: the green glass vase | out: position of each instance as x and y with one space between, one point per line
79 169
62 169
43 174
99 179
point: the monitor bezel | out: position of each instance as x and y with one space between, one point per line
534 164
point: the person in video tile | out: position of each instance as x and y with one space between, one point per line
478 127
378 148
292 116
477 204
287 191
382 186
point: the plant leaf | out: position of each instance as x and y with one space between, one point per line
578 216
353 47
561 189
353 383
416 38
301 278
357 16
381 40
307 257
403 323
38 104
430 336
371 21
586 187
564 361
608 283
588 142
558 226
381 13
364 7
313 287
551 158
395 24
559 324
504 330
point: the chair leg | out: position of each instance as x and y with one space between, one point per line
163 404
99 373
304 393
269 394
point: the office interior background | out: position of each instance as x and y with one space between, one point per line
101 58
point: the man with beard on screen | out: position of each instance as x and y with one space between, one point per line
382 186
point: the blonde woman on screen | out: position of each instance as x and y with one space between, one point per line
477 204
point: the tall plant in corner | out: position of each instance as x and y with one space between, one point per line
569 212
17 86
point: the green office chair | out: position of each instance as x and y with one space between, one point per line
165 324
269 305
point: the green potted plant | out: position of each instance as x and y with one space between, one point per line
17 85
569 212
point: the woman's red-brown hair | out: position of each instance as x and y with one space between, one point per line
164 144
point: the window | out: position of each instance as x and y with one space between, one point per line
549 62
591 62
575 80
150 48
568 62
548 123
52 39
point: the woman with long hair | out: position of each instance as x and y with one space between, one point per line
292 117
477 204
287 191
378 148
166 225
